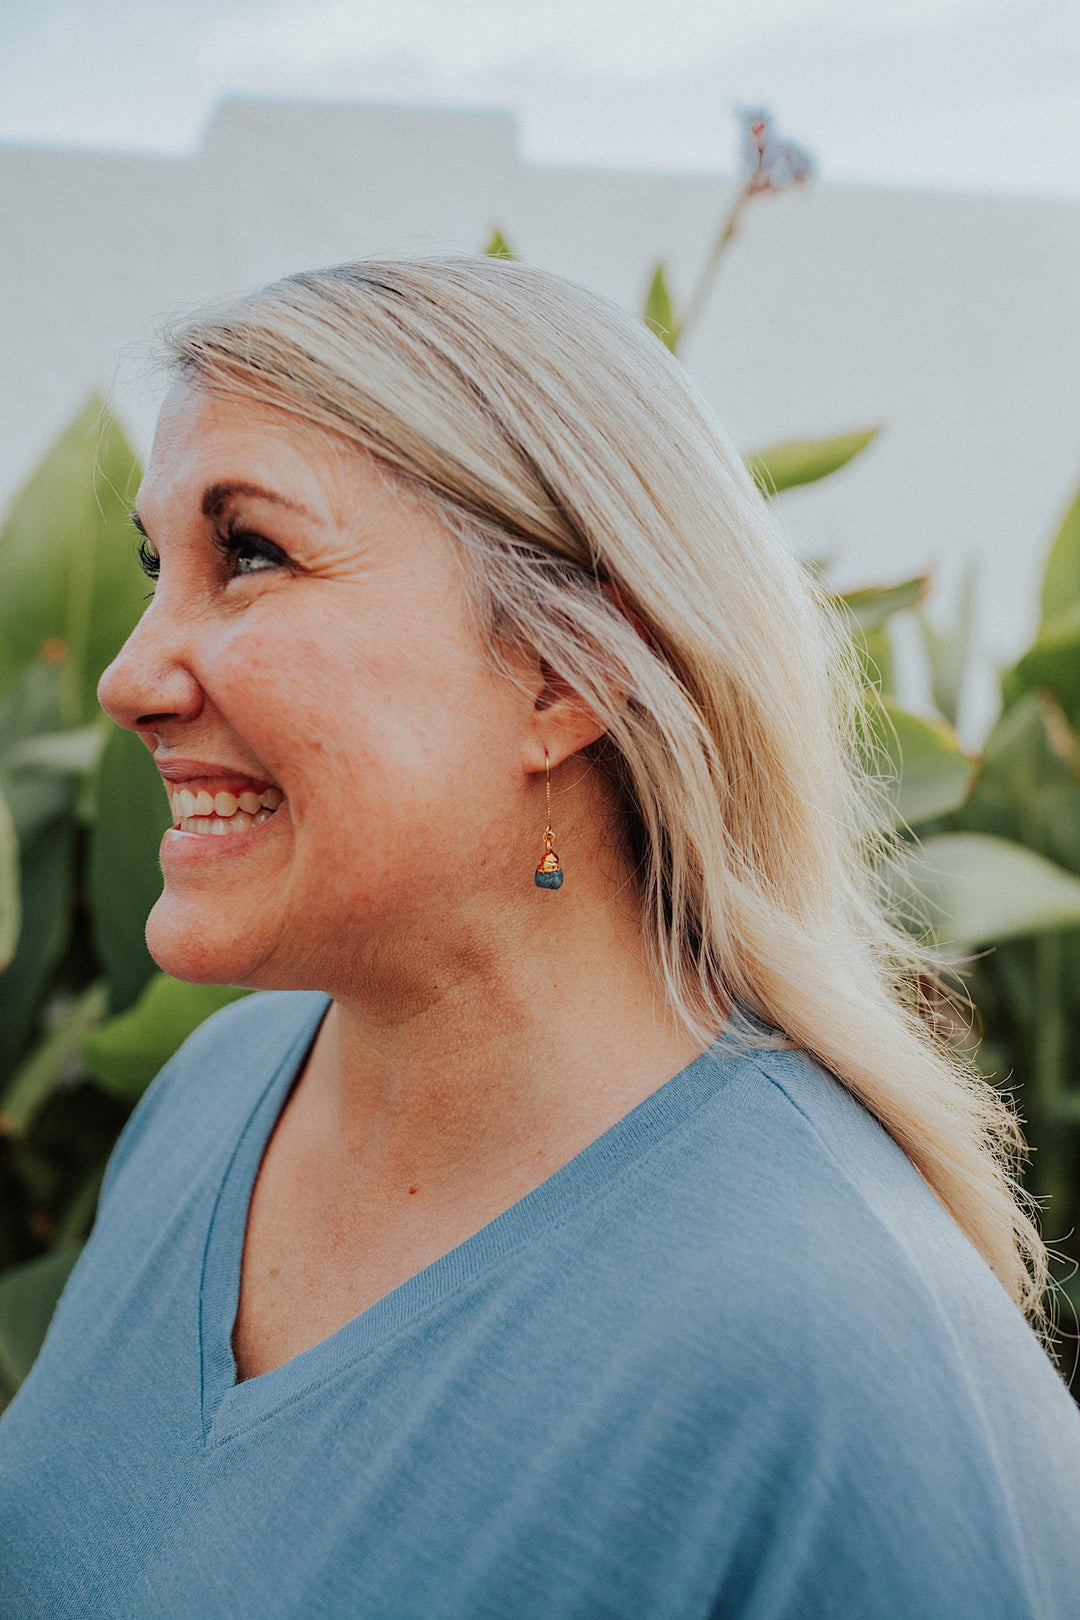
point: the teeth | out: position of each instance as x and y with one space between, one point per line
218 826
196 824
222 813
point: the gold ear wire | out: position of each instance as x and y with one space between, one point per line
548 874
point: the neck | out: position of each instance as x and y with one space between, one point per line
501 1054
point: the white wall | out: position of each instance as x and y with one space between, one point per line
954 322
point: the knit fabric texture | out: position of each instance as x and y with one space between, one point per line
734 1359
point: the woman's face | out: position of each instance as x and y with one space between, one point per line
309 643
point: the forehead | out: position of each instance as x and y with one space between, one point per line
205 438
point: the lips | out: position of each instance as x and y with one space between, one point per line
216 777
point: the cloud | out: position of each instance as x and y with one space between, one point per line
975 94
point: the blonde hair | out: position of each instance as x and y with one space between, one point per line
607 521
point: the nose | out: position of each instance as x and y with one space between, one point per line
150 681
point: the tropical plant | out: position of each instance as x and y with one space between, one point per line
992 861
991 868
1003 870
86 1020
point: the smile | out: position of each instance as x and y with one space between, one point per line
222 813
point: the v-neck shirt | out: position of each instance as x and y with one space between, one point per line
733 1359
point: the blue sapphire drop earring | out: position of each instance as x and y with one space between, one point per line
548 874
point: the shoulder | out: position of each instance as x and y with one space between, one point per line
210 1081
810 1182
846 1357
783 1223
778 1165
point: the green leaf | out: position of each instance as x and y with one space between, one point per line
131 814
659 310
1028 784
77 1216
978 889
46 880
804 461
876 657
10 902
29 1295
32 704
50 1062
928 772
947 651
31 707
35 801
1053 662
71 585
125 1054
59 753
1061 580
498 247
11 666
873 605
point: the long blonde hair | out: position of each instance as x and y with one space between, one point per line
607 521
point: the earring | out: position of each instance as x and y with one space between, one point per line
548 874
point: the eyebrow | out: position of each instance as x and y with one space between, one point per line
216 497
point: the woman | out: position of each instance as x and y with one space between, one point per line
624 1245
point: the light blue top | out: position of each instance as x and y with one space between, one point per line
733 1360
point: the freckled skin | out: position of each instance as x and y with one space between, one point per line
354 681
482 1030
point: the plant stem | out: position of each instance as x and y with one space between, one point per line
697 298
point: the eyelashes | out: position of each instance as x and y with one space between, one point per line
249 553
149 561
244 551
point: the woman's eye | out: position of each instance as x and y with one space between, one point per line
250 553
250 561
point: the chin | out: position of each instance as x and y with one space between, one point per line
186 948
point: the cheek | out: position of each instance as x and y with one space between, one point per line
280 686
388 738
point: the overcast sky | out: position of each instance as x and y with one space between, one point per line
979 95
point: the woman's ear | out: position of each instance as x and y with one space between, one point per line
563 723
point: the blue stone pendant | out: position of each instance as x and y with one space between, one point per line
549 872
